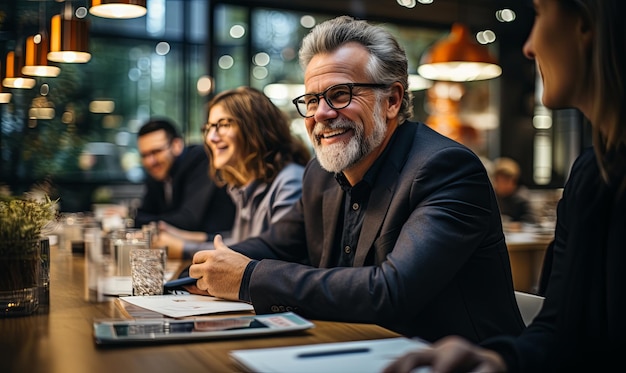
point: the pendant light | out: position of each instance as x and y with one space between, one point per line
458 58
69 36
36 57
36 51
5 97
14 77
122 9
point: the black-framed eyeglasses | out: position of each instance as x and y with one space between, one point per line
337 97
221 127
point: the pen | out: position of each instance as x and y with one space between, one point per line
357 350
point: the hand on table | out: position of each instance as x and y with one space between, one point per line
219 271
450 354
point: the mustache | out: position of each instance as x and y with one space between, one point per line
335 124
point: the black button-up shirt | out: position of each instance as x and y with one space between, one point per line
355 203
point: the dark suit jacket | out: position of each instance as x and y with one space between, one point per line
197 203
582 324
431 258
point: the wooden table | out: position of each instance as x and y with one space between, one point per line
59 337
526 253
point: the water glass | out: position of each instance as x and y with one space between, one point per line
99 264
147 268
122 242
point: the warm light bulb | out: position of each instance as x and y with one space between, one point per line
119 11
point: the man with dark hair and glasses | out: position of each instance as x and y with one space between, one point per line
178 189
397 225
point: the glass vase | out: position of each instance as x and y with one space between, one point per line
20 277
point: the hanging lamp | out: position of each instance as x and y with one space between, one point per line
121 9
14 77
5 97
36 51
36 57
69 36
458 58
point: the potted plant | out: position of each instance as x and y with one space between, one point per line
23 221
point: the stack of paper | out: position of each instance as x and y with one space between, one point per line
362 356
183 305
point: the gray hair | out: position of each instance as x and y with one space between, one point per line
387 63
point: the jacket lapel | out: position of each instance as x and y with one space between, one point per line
383 191
377 208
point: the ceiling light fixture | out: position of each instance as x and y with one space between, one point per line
5 97
36 57
36 51
417 83
120 9
14 77
69 36
458 58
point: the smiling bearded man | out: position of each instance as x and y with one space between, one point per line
397 225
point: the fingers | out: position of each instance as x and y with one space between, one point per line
409 361
218 242
193 289
200 257
163 225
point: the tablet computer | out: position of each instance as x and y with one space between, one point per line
108 332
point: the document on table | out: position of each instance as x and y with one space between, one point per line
362 356
182 305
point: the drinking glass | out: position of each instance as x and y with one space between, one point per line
147 268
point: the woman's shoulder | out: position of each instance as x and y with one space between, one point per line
291 174
291 170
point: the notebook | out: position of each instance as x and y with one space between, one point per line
361 356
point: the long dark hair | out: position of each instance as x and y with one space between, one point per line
264 139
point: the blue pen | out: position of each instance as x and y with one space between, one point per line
180 282
357 350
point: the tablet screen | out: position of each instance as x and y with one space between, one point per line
162 330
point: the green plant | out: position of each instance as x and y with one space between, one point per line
24 219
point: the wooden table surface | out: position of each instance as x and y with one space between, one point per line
59 337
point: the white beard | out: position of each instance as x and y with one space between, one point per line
341 156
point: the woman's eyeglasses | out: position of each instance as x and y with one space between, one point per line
222 127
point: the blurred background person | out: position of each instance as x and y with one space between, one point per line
178 189
253 153
513 199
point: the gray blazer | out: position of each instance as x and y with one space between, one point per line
431 258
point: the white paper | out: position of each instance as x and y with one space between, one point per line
121 285
182 305
115 285
381 352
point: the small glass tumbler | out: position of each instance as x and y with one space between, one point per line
147 271
122 241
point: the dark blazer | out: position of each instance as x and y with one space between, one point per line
431 258
582 324
197 203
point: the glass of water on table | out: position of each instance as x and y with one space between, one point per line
147 270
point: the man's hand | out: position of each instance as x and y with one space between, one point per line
450 354
219 272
